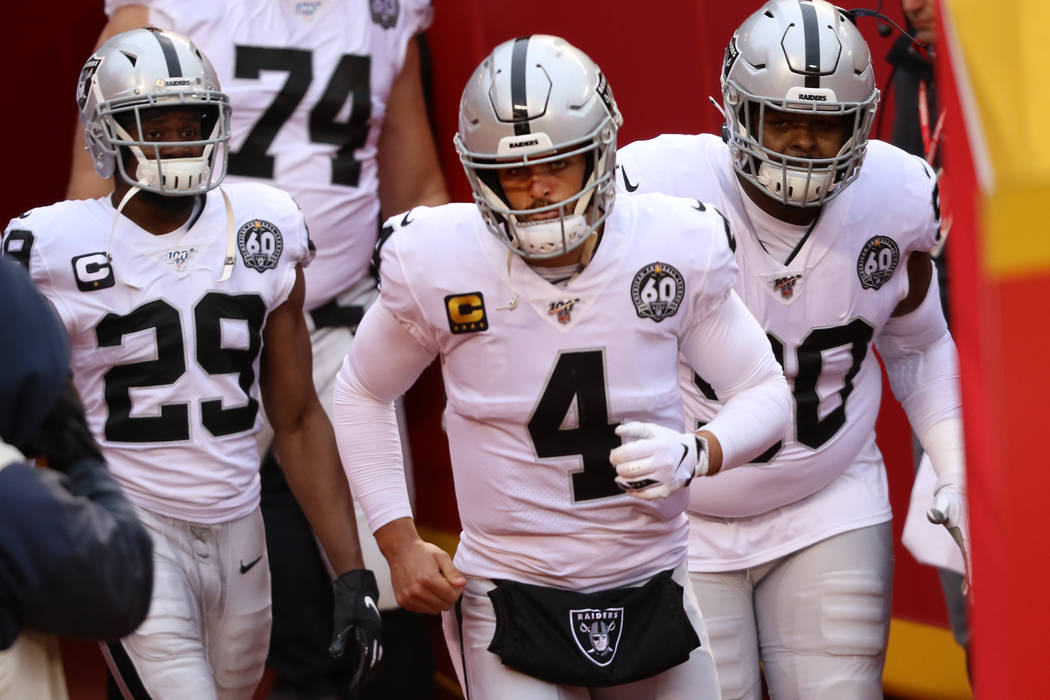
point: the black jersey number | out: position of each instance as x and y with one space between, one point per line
170 364
351 79
578 375
810 429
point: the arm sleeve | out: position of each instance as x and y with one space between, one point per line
384 361
731 350
923 369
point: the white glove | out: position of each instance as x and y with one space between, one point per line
949 509
657 461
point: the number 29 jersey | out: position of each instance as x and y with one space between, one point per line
308 84
165 356
538 376
821 311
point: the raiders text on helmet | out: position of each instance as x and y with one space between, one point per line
534 100
145 69
803 57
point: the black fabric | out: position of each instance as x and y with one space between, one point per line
357 626
331 315
34 354
539 631
125 669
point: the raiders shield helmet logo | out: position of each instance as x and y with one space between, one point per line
597 633
657 290
261 244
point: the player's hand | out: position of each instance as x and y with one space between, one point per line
657 461
424 578
949 509
356 622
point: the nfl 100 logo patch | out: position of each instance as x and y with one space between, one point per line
597 632
384 12
261 244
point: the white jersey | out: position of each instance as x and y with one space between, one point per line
314 134
164 355
538 377
821 311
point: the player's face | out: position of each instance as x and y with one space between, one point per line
535 186
803 135
921 15
172 125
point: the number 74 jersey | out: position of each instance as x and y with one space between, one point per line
165 356
309 84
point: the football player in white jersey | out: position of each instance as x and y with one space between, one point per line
327 104
183 304
793 565
558 320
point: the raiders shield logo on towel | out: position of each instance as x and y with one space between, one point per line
597 632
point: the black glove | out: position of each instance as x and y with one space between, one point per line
64 437
356 619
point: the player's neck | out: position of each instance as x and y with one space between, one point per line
152 212
799 216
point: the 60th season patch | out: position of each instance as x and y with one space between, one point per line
597 632
261 244
878 259
657 290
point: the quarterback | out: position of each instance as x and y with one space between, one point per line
793 558
558 320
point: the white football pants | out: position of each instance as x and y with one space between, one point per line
208 628
818 619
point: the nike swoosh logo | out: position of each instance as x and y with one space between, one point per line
245 568
369 603
700 206
627 183
685 453
406 221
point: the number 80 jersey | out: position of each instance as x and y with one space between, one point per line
821 310
165 356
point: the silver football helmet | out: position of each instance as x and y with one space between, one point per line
143 69
803 57
534 100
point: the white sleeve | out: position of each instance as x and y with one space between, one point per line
731 351
384 361
923 369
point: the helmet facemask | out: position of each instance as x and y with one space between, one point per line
793 180
169 176
578 217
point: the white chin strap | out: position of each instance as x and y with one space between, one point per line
550 237
803 186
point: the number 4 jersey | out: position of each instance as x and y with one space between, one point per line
538 377
821 310
309 83
165 355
